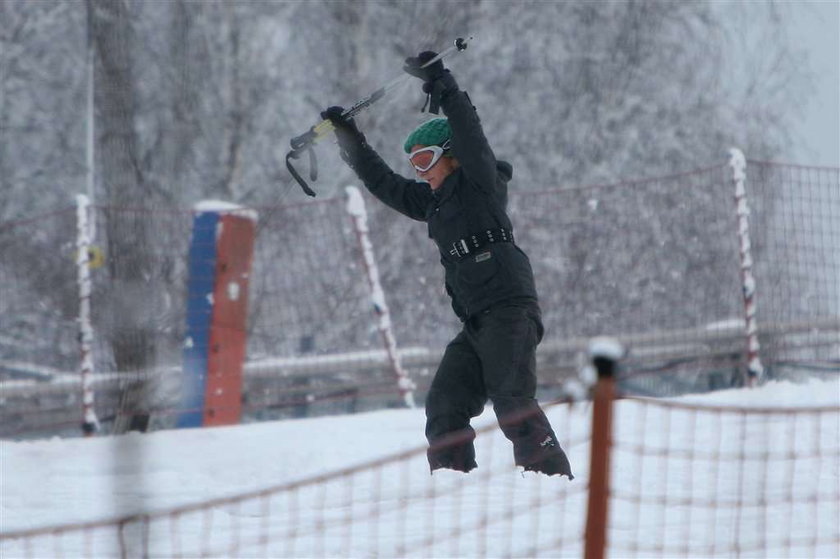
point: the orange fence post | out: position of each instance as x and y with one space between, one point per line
604 354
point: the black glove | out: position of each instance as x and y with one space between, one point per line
438 82
346 130
432 72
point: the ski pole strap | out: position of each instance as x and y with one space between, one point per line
313 168
466 246
305 142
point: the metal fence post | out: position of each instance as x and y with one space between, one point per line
755 370
356 209
90 423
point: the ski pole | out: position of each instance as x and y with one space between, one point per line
307 140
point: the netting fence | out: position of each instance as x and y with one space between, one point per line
389 507
655 262
794 216
704 481
685 480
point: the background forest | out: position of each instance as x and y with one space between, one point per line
193 100
201 98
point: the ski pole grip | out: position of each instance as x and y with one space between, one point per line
300 142
312 135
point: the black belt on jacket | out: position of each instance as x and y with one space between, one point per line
463 247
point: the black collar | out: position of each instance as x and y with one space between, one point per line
448 187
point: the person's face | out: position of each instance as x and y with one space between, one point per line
436 174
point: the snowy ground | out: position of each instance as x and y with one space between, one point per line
494 511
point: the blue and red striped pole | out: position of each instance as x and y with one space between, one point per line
220 258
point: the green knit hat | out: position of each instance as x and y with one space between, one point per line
431 133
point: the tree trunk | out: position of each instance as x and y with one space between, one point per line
132 331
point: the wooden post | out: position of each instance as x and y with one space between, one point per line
604 353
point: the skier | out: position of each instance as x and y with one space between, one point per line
462 195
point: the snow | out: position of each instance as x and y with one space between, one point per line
776 394
58 481
86 336
739 165
609 348
233 291
355 203
222 207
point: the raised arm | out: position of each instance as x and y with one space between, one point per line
469 144
407 196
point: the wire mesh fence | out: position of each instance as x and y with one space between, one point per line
389 507
685 480
654 262
702 481
795 239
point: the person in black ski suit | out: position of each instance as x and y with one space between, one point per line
462 195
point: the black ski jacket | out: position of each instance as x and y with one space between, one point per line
471 200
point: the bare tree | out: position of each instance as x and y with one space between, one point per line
199 99
39 81
130 329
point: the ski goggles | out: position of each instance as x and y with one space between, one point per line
425 158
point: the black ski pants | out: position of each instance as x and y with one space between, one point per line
493 357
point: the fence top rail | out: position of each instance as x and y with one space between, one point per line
794 165
29 220
44 378
555 190
732 408
625 183
709 333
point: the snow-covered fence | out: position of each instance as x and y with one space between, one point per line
709 481
678 479
738 162
84 262
356 209
795 235
660 258
653 262
309 294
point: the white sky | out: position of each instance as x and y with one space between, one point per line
816 26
